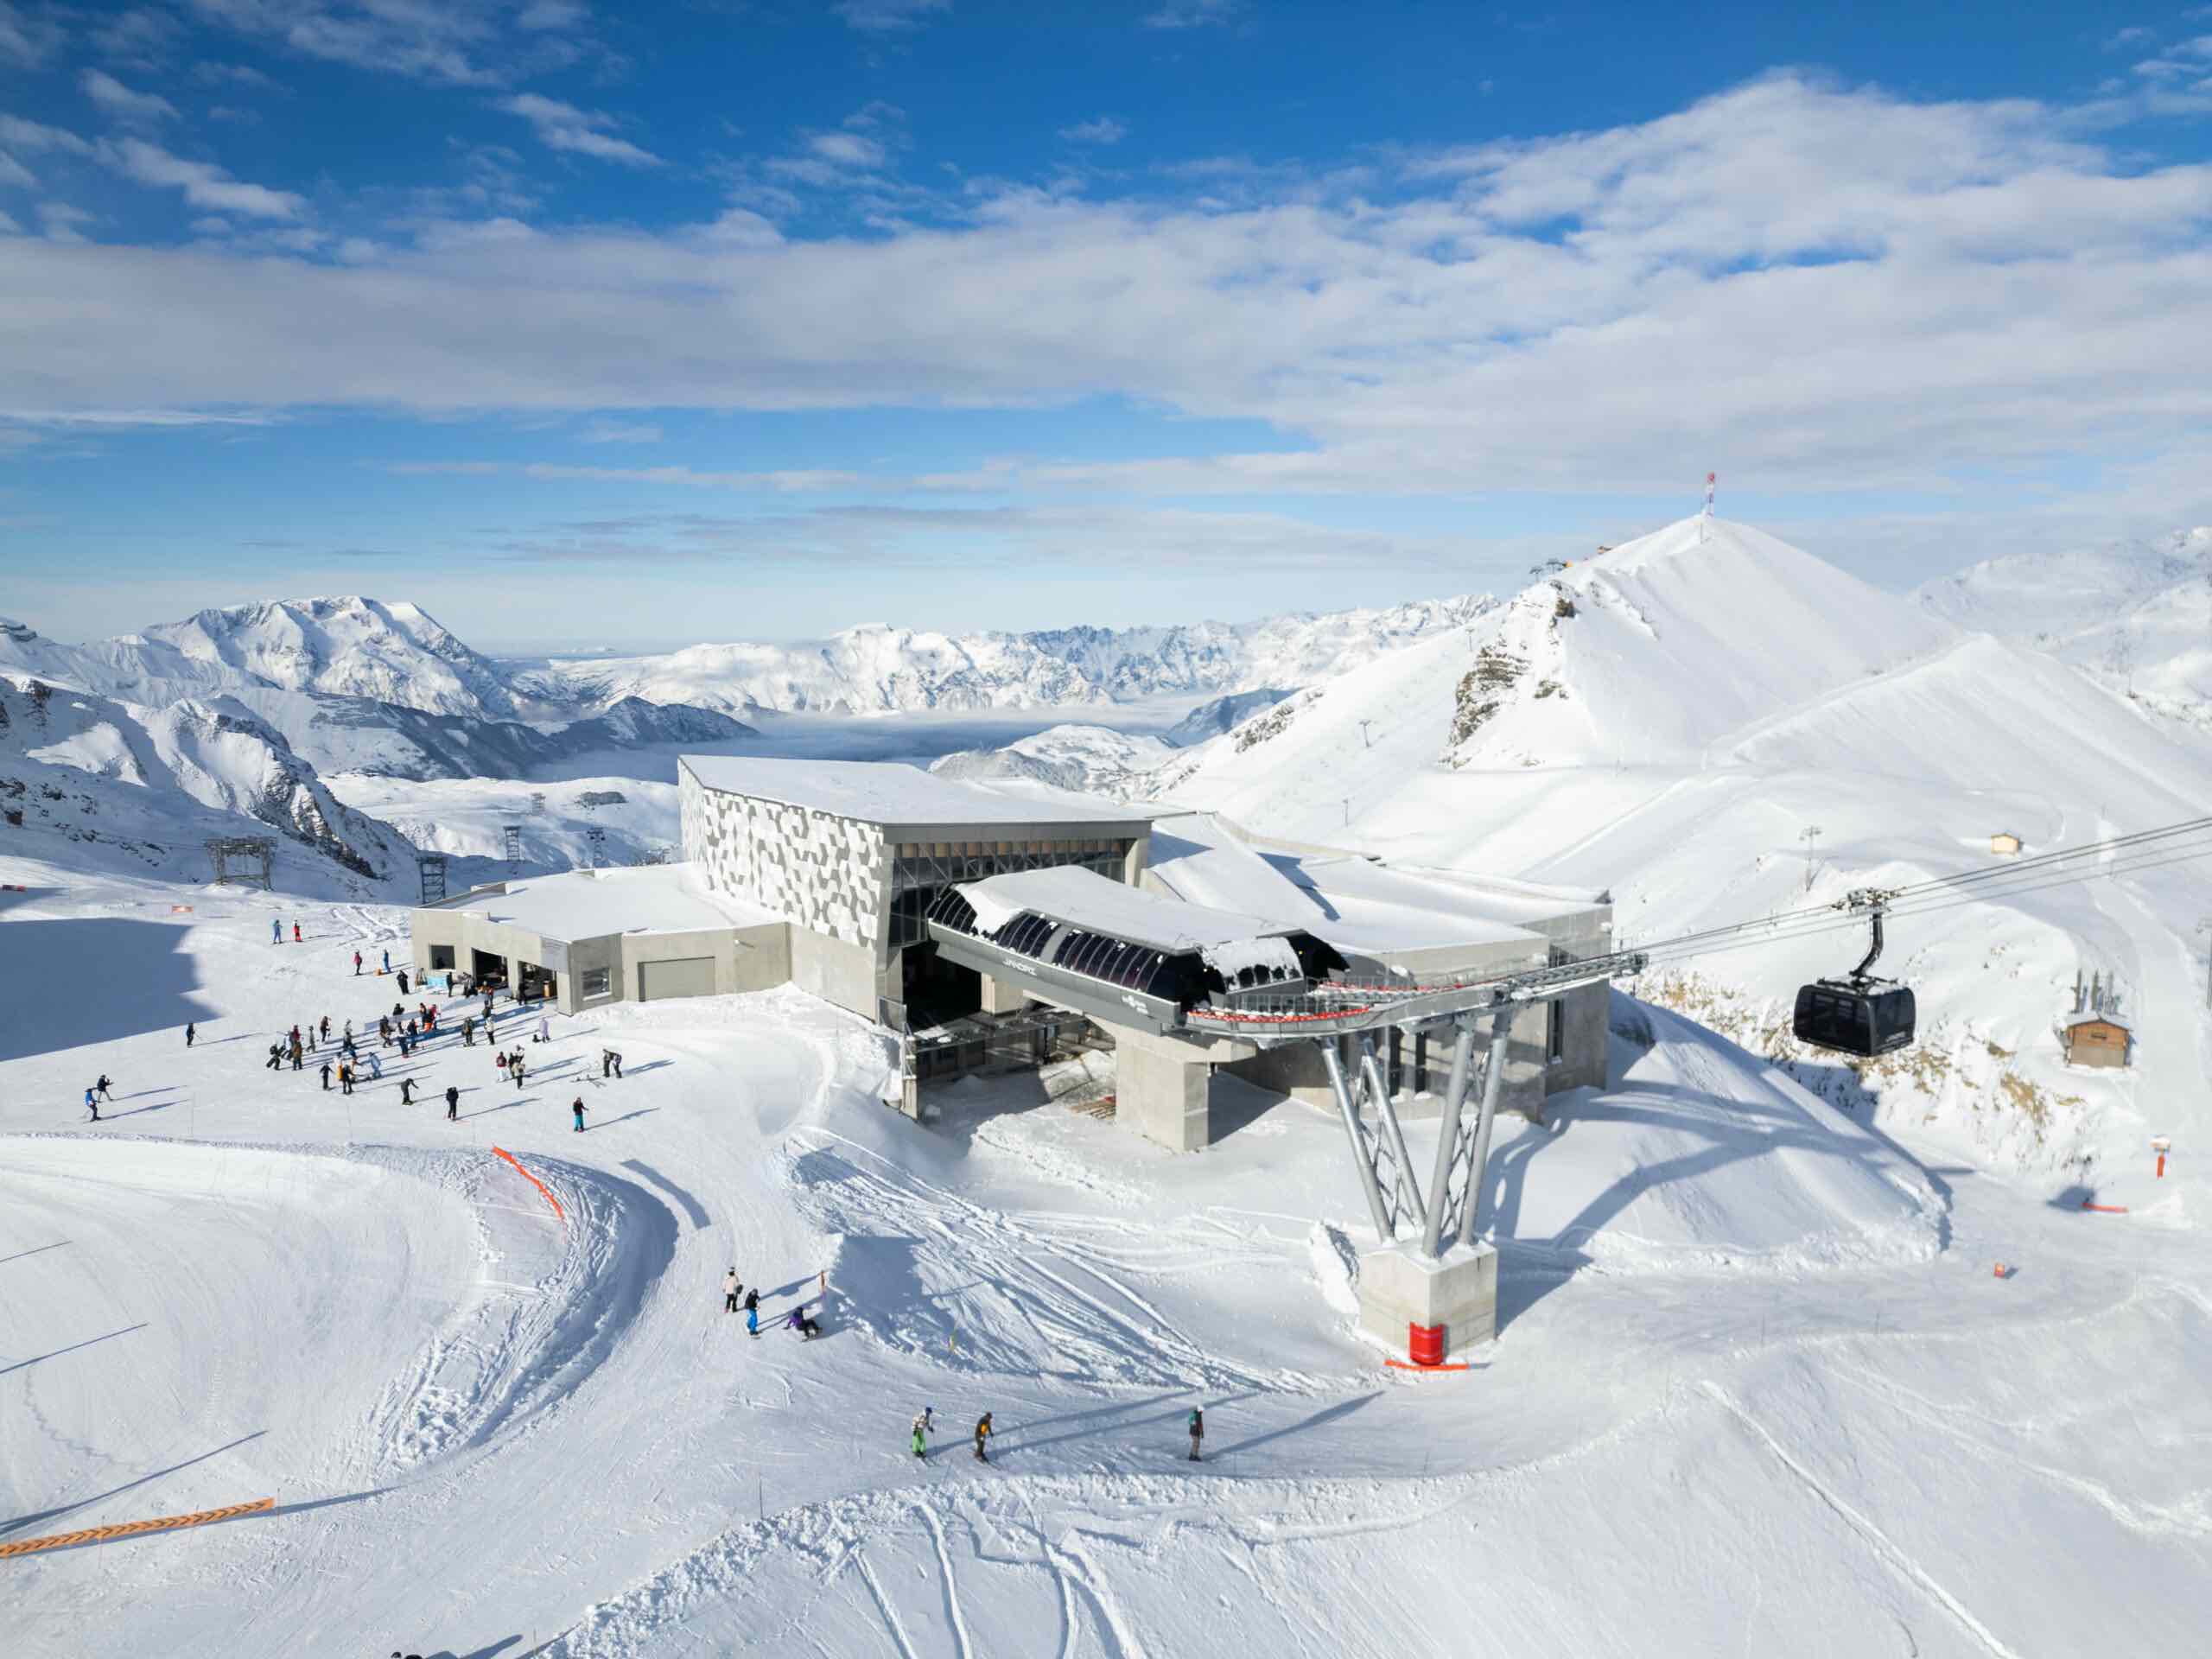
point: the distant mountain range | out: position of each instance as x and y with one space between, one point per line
2137 614
878 668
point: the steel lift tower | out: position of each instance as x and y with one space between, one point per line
1431 1283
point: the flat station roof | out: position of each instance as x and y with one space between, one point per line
892 794
583 905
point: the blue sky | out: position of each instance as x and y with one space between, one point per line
718 320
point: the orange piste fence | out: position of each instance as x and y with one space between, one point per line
131 1528
534 1181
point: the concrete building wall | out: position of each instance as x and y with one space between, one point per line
835 970
745 959
828 874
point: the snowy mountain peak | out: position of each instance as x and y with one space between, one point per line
346 645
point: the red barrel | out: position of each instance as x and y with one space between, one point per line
1425 1343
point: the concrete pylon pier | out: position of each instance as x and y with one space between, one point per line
1458 1291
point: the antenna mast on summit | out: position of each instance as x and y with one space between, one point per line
1705 519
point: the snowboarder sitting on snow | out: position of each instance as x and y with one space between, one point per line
797 1320
983 1433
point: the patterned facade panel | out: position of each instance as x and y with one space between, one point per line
823 872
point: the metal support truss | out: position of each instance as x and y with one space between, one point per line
1451 1211
1462 1146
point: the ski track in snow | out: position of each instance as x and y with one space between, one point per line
1897 1559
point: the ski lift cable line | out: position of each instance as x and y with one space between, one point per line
2015 867
1774 930
1897 899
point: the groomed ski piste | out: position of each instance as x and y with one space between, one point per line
1757 1387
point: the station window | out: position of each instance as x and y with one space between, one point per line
441 956
595 982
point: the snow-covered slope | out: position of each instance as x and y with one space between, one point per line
877 668
1671 721
87 782
2136 615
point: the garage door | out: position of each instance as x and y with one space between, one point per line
686 976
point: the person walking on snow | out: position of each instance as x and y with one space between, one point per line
752 1311
92 1104
275 931
983 1433
453 1104
922 1425
468 1032
357 964
345 1079
295 932
577 1107
545 1028
387 962
107 1091
276 1058
514 1067
403 982
326 1077
1198 1431
407 1091
191 1032
730 1288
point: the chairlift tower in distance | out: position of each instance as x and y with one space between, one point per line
247 861
430 868
513 832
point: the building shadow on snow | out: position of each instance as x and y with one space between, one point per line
93 979
1530 1268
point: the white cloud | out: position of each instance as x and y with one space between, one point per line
552 14
34 139
1193 14
204 184
1100 130
139 36
1824 289
563 126
620 432
14 174
457 42
240 75
26 41
60 220
888 16
120 103
847 149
